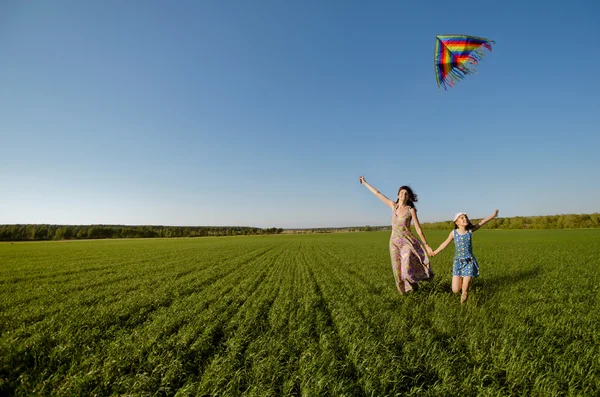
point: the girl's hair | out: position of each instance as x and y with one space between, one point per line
469 225
412 197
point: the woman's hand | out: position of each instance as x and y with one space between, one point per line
429 250
361 179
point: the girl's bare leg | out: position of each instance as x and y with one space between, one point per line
465 289
456 284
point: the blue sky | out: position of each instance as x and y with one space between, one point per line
264 113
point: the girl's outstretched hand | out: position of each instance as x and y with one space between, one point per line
361 179
496 213
430 251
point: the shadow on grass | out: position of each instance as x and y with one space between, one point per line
484 287
488 287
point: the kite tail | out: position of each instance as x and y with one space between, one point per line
477 55
454 76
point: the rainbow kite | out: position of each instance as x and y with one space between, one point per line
453 53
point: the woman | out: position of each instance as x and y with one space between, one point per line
410 262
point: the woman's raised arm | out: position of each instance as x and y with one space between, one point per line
377 193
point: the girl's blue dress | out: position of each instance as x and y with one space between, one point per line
465 264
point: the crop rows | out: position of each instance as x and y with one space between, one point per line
297 315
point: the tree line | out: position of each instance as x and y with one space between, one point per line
566 221
34 232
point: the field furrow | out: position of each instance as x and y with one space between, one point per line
298 315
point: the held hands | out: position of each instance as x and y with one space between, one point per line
429 250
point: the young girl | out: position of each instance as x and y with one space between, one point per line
465 264
410 263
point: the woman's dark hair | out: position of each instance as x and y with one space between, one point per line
412 197
469 225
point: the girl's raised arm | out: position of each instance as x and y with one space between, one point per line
444 244
484 221
376 192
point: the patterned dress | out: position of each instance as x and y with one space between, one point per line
465 264
410 262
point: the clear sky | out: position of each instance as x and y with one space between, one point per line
264 113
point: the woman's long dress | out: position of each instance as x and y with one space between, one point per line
410 262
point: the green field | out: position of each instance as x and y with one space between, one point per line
306 315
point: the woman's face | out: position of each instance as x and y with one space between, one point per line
402 196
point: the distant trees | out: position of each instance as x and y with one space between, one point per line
66 232
566 221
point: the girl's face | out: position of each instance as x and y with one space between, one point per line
462 220
402 196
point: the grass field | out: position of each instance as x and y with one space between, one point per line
308 315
